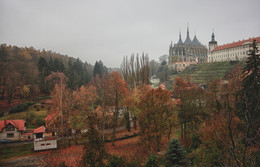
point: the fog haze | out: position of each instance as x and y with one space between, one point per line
109 30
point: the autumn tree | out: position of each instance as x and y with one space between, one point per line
100 83
181 91
136 70
153 117
224 131
60 95
116 92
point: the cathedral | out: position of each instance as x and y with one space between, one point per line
187 51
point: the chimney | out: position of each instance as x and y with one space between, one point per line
5 122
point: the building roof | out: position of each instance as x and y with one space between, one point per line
19 124
213 39
41 129
236 44
187 40
50 116
195 41
180 41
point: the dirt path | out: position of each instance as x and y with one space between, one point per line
29 161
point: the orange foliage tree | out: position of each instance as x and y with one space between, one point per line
116 92
157 109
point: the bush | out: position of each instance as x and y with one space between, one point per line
2 114
116 161
39 121
21 107
152 161
133 164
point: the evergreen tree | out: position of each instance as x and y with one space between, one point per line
94 149
51 64
99 68
61 66
176 155
250 101
44 71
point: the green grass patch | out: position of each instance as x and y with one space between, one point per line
15 150
207 72
43 98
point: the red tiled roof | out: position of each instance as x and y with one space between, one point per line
162 86
235 44
19 124
41 129
50 116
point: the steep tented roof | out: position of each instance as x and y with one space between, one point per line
195 41
236 44
187 40
180 41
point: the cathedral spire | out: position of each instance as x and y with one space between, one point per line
180 40
188 33
187 40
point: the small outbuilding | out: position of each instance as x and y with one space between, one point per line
42 142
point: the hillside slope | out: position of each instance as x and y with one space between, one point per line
206 72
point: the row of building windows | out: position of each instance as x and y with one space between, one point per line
232 49
229 55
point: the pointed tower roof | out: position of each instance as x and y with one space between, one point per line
187 40
180 41
213 38
195 41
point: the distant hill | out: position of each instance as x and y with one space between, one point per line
206 72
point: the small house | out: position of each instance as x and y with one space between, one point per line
12 129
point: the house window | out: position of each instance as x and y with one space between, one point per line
10 135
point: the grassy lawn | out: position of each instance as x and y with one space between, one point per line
15 150
35 118
22 115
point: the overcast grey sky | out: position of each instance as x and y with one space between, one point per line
108 30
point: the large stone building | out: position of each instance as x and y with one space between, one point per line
186 53
188 50
236 51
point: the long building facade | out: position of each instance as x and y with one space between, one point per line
236 51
